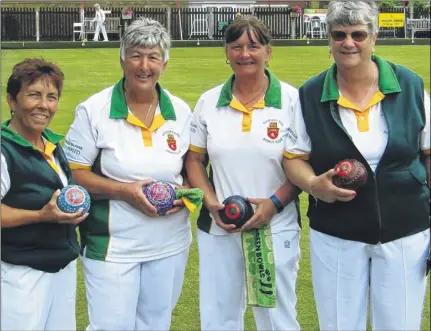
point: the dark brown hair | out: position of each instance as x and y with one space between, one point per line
248 24
30 70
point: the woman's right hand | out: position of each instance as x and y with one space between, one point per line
214 209
51 212
322 188
134 195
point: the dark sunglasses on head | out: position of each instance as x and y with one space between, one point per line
356 35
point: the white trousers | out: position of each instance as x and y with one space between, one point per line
36 300
133 296
222 283
100 27
346 274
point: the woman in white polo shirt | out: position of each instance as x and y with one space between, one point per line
240 127
123 138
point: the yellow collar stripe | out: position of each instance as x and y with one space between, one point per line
247 112
48 155
147 138
344 102
362 116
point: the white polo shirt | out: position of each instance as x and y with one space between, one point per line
245 146
109 140
368 129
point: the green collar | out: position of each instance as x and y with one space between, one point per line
272 96
8 133
119 106
388 82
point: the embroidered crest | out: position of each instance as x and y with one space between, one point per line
273 130
172 142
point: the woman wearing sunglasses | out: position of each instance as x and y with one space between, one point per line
369 245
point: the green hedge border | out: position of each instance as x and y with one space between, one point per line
188 43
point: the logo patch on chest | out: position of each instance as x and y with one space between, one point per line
273 127
272 130
171 137
172 142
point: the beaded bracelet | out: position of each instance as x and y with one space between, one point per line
311 186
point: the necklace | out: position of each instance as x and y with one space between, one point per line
368 92
148 111
255 96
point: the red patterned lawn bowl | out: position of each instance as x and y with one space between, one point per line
237 211
161 195
351 174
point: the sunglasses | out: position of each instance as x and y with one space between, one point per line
357 36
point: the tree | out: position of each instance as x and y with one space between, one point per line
389 4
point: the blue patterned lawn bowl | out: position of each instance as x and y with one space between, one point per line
161 195
72 198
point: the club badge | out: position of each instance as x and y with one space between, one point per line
273 130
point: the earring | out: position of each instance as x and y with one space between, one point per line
330 53
12 113
267 64
227 61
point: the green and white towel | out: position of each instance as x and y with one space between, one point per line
259 267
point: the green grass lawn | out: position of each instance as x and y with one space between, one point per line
190 72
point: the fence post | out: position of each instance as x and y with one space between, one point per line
292 27
169 14
37 24
405 23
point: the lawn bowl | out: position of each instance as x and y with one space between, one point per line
161 195
72 198
237 211
351 174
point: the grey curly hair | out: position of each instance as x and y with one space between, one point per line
146 32
352 12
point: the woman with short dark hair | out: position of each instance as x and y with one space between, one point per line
241 126
39 246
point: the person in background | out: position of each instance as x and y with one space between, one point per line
369 245
39 246
100 21
240 127
123 138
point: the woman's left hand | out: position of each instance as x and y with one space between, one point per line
265 210
179 203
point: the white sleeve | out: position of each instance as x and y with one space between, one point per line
80 145
298 144
5 179
198 129
185 135
425 134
